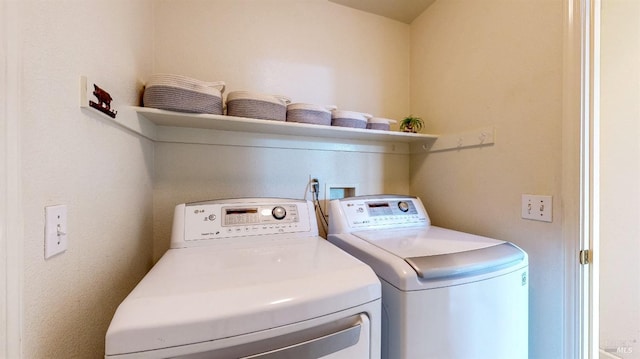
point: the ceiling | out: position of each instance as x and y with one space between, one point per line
402 10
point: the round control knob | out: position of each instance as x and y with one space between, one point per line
279 212
404 206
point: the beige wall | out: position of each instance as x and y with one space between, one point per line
312 51
620 178
496 63
75 157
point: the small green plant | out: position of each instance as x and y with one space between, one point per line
411 124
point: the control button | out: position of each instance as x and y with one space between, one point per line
404 206
212 217
279 212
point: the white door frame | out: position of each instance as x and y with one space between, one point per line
580 176
592 142
11 223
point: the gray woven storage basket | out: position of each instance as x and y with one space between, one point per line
180 93
257 105
378 123
309 113
349 119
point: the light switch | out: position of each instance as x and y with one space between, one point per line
55 231
537 208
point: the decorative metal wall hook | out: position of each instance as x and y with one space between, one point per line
104 102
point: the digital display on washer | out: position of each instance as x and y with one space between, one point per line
241 211
378 209
241 216
378 205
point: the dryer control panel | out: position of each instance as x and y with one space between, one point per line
213 220
377 211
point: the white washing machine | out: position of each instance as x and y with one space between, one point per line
250 278
445 294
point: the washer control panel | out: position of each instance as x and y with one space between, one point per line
217 220
368 212
277 214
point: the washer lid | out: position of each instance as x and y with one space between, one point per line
436 253
200 294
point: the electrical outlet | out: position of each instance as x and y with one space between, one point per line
315 186
537 208
55 232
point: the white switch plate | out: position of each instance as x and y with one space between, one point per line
537 208
55 231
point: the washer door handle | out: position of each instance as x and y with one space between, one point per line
317 347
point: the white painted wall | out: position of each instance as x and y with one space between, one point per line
620 178
312 51
496 63
75 157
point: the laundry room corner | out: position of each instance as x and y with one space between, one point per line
504 69
462 66
290 52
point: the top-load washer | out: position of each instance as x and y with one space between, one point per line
445 294
250 278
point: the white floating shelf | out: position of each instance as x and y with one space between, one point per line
204 128
242 124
